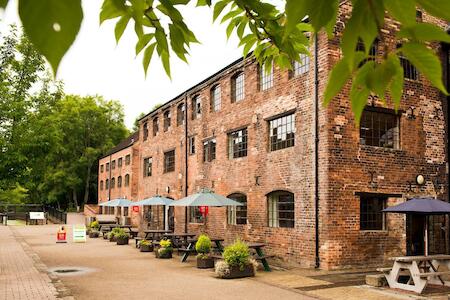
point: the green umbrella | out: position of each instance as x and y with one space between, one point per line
206 198
157 200
117 202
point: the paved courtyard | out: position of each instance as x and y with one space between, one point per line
29 256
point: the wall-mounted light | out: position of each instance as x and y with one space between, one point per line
420 180
372 182
257 180
167 189
410 113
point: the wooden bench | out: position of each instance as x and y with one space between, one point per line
384 270
216 256
258 257
433 274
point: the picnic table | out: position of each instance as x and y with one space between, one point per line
179 239
106 227
260 254
191 247
421 270
155 235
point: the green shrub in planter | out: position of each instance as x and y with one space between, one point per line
112 234
94 234
94 225
121 237
145 246
203 248
237 262
165 250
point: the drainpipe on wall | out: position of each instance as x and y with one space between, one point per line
186 154
109 185
316 148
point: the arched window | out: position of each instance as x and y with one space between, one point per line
107 184
237 87
280 209
167 118
113 182
119 181
180 114
196 107
237 215
101 185
127 179
216 99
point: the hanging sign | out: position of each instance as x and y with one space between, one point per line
37 215
61 236
136 209
79 233
204 210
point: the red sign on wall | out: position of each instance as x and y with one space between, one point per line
136 209
203 210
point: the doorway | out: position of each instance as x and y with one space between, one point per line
415 228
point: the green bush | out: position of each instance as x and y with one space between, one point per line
94 225
121 234
165 244
203 245
144 243
237 254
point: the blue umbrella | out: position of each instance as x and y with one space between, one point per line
117 202
206 198
421 206
155 200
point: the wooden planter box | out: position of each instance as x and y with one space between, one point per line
205 263
122 241
236 272
146 248
94 234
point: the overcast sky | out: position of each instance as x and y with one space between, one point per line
96 65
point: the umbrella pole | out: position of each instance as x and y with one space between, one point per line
166 217
426 236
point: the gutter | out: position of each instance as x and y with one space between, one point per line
186 154
316 149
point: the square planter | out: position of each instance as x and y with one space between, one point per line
122 241
94 234
146 248
164 255
236 272
112 239
205 263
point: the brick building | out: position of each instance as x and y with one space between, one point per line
313 183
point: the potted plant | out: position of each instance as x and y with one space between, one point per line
165 250
237 262
203 248
112 234
145 246
93 230
121 237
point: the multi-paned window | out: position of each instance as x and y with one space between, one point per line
127 179
237 215
216 98
113 182
265 78
127 159
372 51
101 185
237 143
107 184
166 120
195 216
371 215
155 126
301 67
169 161
148 166
113 164
180 114
282 132
209 150
237 87
191 145
380 129
280 209
196 107
119 163
409 70
119 181
145 131
107 167
101 168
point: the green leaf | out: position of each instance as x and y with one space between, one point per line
339 76
120 27
438 8
424 32
218 8
396 85
231 27
148 53
51 25
166 62
143 41
241 28
426 61
161 39
249 45
3 3
204 3
402 10
111 9
359 91
231 14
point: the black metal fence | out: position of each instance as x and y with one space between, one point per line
22 212
55 215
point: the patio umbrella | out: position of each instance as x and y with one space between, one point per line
421 206
157 200
206 198
117 202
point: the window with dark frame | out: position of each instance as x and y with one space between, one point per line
380 129
372 51
282 132
237 143
280 209
145 131
119 163
113 165
237 215
191 140
101 168
371 215
107 184
155 126
237 87
216 98
265 78
169 161
409 70
180 114
166 120
127 179
196 107
127 159
113 182
119 181
209 150
148 166
300 67
107 167
101 185
195 216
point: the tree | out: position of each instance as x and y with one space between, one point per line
275 35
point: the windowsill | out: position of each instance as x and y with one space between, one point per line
168 172
238 158
192 223
374 231
281 227
368 147
278 150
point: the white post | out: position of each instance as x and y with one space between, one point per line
426 236
166 217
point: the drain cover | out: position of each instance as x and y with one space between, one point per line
70 271
67 271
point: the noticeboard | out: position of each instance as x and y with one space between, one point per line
37 215
79 233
